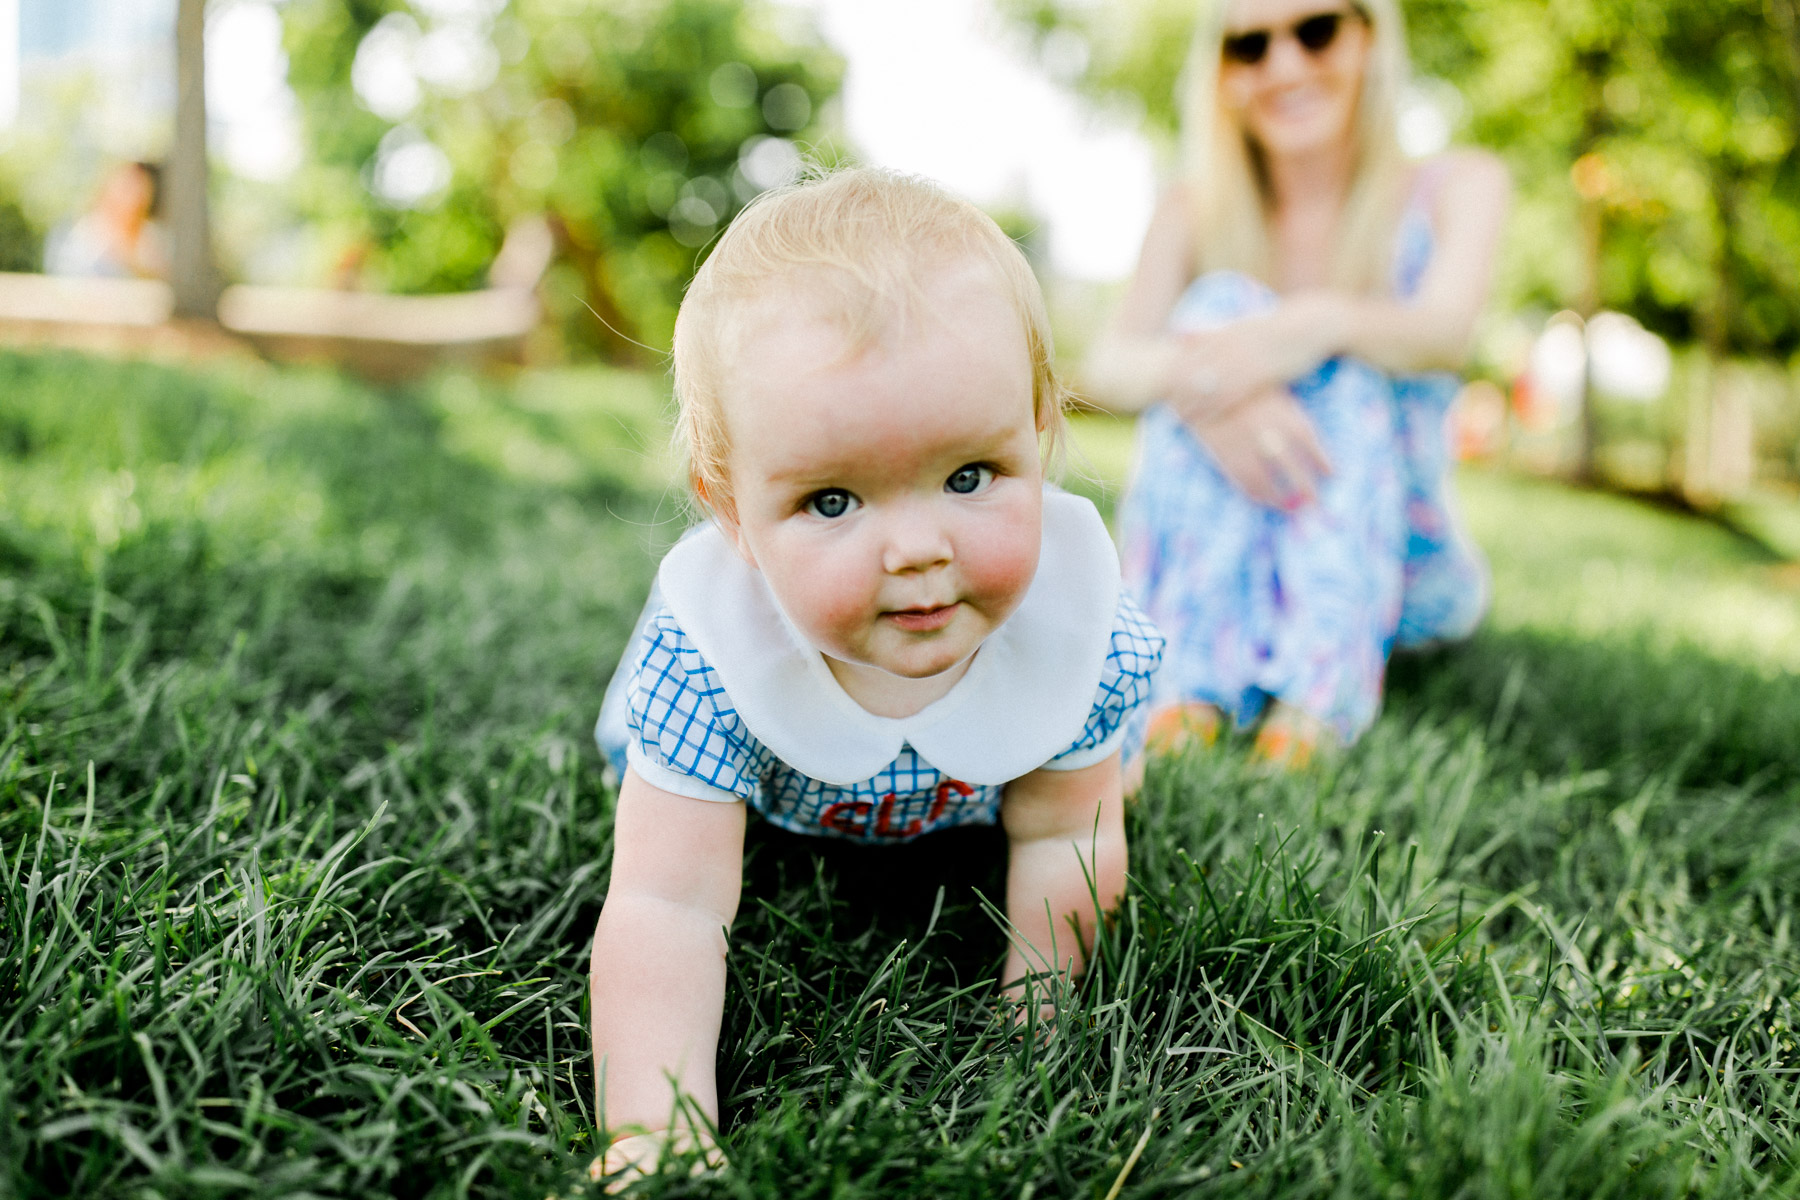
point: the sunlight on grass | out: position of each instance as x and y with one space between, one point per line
1603 565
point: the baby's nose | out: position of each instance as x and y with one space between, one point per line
915 543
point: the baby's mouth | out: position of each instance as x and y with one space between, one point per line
922 620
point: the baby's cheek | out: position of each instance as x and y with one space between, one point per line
1003 564
826 602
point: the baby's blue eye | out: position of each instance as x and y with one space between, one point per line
968 479
832 502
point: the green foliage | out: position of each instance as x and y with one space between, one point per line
302 836
1656 146
21 239
1133 51
1672 131
21 245
633 126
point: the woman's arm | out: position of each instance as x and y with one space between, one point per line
1202 374
1431 330
658 970
1435 328
1136 361
1064 829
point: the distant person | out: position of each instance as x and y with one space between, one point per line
889 631
120 237
1303 294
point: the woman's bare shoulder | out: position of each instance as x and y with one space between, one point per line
1470 169
1169 241
1174 206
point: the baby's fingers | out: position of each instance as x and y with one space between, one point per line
632 1158
628 1159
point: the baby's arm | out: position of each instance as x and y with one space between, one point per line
658 972
1064 828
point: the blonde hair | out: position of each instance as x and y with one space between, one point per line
870 239
1221 166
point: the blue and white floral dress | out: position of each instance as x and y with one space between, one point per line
1258 604
720 698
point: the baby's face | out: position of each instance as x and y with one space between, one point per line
892 499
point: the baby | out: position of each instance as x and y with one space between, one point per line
890 625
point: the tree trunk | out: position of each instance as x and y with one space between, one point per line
192 274
1593 65
1722 466
1786 16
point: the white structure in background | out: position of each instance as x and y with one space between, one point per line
1627 361
1430 111
1557 366
9 63
1610 355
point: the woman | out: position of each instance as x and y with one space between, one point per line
1302 294
120 236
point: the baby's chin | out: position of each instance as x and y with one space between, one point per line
912 667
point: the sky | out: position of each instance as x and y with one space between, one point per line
938 87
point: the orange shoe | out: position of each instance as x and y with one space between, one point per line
1291 738
1180 727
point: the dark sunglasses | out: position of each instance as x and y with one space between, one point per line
1315 34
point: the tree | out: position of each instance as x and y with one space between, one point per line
639 128
193 275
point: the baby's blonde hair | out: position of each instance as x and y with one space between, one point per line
870 239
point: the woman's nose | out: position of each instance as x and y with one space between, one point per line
1287 59
914 542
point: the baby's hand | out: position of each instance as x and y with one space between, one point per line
1038 1012
637 1155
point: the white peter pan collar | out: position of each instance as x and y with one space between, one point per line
1024 699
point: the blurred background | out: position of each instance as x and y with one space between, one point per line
394 185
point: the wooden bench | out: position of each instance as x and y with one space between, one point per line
381 336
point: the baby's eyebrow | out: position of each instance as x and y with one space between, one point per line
810 475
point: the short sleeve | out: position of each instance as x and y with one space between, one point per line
685 736
1131 663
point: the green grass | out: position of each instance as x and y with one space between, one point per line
302 837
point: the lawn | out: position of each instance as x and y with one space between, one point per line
302 837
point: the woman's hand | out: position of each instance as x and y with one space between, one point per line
1215 370
1267 447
